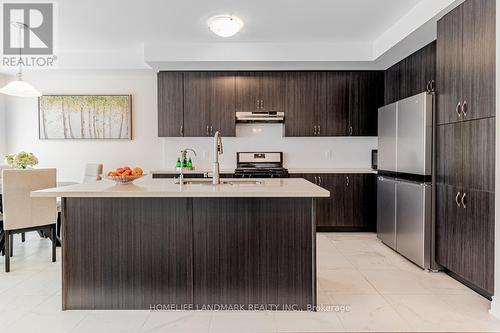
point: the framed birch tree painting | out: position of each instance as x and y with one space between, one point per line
85 117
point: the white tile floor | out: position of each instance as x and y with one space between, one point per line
384 292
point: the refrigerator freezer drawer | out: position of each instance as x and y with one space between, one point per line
414 143
387 137
386 211
413 222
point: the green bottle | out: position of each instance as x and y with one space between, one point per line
190 163
178 164
184 163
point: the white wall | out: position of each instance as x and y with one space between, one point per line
3 128
146 149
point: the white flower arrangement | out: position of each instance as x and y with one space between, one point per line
21 160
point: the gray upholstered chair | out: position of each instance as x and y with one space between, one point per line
93 172
21 212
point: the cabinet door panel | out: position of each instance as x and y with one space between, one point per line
393 81
197 93
272 91
334 117
170 104
449 228
478 63
365 201
222 103
304 99
247 91
478 146
449 65
478 242
449 154
428 66
366 96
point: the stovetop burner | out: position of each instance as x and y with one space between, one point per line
260 165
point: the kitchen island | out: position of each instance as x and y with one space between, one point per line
155 244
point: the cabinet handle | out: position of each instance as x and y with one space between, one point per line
319 180
211 130
319 131
350 130
258 104
428 87
433 89
464 109
182 130
315 180
457 109
208 128
315 130
463 200
261 103
456 199
347 181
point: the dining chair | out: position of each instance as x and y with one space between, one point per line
93 172
21 212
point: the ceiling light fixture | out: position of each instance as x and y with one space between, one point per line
225 25
19 87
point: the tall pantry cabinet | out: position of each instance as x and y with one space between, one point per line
465 144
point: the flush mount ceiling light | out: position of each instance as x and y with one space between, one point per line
19 87
225 25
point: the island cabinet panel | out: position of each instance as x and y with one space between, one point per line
260 91
126 253
170 104
241 256
352 202
189 253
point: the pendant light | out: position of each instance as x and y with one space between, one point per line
19 87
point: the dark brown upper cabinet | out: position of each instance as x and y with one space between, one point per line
305 102
209 104
170 104
466 63
412 75
260 91
333 103
366 96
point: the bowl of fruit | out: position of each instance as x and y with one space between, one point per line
125 175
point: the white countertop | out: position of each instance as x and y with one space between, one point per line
331 170
159 188
290 170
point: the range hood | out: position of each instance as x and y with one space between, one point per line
272 117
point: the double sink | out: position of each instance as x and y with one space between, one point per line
208 181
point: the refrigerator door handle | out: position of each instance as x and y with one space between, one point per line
456 199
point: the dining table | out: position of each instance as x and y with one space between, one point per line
40 232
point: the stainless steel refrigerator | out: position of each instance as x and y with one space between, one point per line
404 186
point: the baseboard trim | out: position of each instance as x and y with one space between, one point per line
495 307
344 229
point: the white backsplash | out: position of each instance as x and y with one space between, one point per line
322 152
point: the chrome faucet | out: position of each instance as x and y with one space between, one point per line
183 158
217 151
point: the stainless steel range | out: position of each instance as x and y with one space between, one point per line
260 165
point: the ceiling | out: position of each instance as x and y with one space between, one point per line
131 34
110 23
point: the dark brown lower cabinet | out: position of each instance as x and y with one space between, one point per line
352 204
465 235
